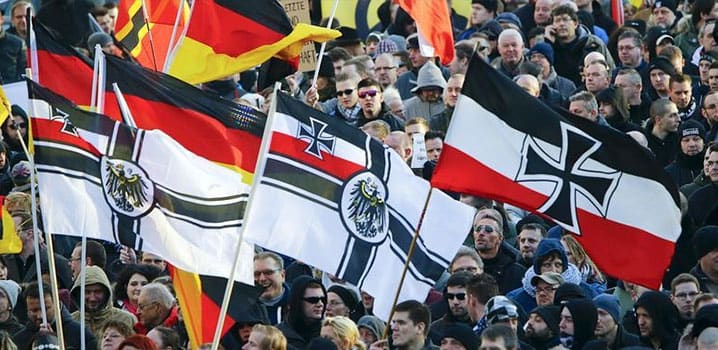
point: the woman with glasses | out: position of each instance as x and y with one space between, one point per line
113 334
129 282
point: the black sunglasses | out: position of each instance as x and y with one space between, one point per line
315 300
460 296
345 92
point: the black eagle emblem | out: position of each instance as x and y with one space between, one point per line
125 188
367 208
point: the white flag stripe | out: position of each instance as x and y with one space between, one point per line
481 130
290 126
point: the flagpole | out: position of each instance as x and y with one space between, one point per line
95 71
50 246
324 44
149 33
171 55
408 261
127 117
263 149
180 9
83 259
33 47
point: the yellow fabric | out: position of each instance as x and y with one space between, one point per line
4 106
10 243
196 63
188 289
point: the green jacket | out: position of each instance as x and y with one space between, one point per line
96 320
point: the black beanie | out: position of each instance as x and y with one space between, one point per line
663 64
463 334
691 127
551 314
321 343
706 317
705 240
568 291
350 299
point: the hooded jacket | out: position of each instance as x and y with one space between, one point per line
296 328
568 57
664 316
96 320
584 315
429 76
685 168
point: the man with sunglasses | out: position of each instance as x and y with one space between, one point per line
345 104
371 100
498 261
457 306
307 303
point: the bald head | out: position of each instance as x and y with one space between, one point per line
529 83
399 142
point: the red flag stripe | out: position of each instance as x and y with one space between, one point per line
294 148
635 244
46 130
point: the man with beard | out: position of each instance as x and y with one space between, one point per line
657 318
98 301
541 330
529 238
269 274
681 93
307 301
458 312
685 288
610 334
689 160
578 323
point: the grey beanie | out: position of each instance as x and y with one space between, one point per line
99 38
372 323
12 290
429 76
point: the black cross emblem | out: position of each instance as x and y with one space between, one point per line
574 172
317 138
67 127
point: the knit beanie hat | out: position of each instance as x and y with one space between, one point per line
11 289
662 63
705 240
386 46
543 48
610 304
463 334
691 127
350 299
490 5
568 291
551 314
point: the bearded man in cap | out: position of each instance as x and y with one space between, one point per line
541 330
458 337
429 89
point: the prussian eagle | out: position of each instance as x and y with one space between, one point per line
367 208
127 191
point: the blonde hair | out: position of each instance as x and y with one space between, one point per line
273 338
18 202
346 330
583 261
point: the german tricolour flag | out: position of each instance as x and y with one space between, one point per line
10 243
230 36
149 42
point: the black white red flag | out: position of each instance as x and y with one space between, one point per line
593 181
334 197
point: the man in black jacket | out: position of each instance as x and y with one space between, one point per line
609 328
35 325
657 319
13 57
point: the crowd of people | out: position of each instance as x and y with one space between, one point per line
518 282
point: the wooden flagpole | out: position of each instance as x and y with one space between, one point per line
406 264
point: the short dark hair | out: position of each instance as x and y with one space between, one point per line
565 10
418 313
169 336
433 134
366 82
534 226
339 53
33 291
632 34
150 272
459 279
496 331
680 78
684 278
482 287
96 252
99 11
464 50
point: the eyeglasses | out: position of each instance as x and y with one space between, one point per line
345 92
370 93
711 106
315 300
690 295
548 289
486 228
450 296
562 19
144 306
265 272
626 48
